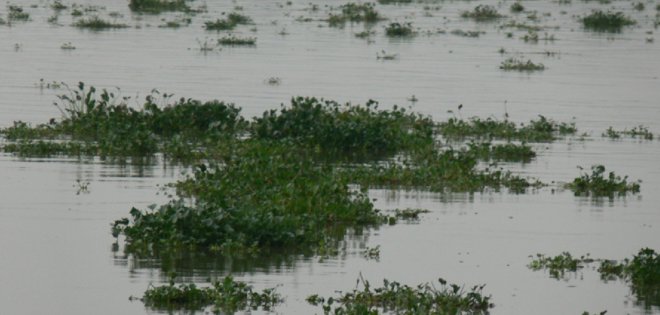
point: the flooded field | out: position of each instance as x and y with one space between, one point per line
58 252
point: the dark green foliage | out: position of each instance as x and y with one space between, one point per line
640 131
40 148
542 129
397 29
394 1
502 152
97 23
606 21
225 296
517 7
16 13
402 299
22 130
229 23
258 196
642 272
355 13
521 65
482 13
158 6
449 170
559 264
237 41
597 185
346 129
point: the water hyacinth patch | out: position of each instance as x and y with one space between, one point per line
402 299
224 296
606 21
597 184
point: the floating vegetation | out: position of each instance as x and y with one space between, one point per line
482 13
226 296
383 55
606 21
640 132
514 64
229 23
397 29
394 1
409 214
642 272
365 34
176 23
597 184
559 264
58 6
237 41
67 46
543 129
462 33
508 152
354 13
517 7
521 26
259 195
96 23
158 6
402 299
16 13
346 129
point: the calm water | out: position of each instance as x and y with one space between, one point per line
57 251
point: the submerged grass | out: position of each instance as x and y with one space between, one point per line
597 184
226 296
402 299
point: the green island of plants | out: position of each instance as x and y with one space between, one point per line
640 132
606 21
226 296
397 29
294 178
354 13
513 64
642 272
402 299
558 265
597 184
158 6
228 23
96 23
482 13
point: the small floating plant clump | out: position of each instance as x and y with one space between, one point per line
508 152
16 13
229 23
543 129
640 132
402 299
97 23
514 64
606 21
237 41
560 264
397 29
158 6
482 13
642 272
355 13
226 296
597 184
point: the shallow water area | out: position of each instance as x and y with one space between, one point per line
57 250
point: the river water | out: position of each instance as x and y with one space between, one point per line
57 253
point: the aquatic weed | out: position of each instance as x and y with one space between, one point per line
399 298
606 21
482 13
96 23
355 13
397 29
227 295
597 184
237 41
642 272
560 264
158 6
521 65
